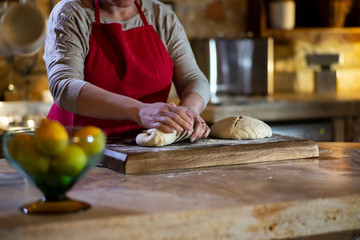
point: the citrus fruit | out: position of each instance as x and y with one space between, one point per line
30 158
70 162
51 137
15 141
90 138
56 181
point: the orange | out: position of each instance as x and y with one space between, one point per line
90 138
51 137
15 141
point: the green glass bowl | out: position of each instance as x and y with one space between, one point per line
44 173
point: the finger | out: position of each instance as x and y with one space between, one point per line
173 125
172 104
171 120
206 132
164 128
178 122
186 117
199 129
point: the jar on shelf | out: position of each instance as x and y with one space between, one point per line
282 14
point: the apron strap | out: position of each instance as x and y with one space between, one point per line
97 11
141 13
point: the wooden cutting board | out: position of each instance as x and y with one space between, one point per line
123 155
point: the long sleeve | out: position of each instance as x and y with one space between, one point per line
67 44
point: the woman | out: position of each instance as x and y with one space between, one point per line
110 63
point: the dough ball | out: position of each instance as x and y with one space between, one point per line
155 138
241 127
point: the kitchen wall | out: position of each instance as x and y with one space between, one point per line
292 73
212 18
205 18
217 18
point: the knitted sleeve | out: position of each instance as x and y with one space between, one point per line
66 46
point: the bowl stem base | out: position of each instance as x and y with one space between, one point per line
44 206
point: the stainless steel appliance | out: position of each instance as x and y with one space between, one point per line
236 66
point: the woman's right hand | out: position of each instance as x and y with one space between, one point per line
166 117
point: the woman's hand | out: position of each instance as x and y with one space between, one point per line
201 129
165 116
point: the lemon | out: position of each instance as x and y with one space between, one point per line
51 137
70 162
30 158
90 138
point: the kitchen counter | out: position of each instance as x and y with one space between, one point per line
284 107
302 199
342 109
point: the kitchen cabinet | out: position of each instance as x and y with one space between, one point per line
308 25
317 198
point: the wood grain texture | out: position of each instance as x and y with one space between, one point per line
287 220
317 198
126 157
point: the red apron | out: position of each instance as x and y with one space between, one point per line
133 63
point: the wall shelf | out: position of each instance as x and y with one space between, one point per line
314 34
258 26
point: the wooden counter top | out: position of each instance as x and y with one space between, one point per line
275 200
285 107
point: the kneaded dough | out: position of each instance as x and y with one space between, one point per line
156 138
241 127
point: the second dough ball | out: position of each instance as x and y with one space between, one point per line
241 127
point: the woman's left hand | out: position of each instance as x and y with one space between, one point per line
201 129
